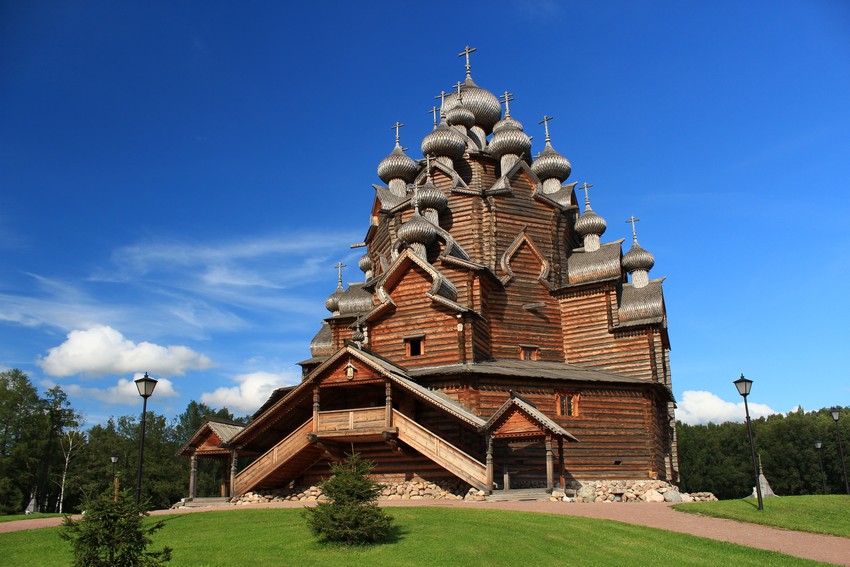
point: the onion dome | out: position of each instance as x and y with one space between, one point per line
483 104
355 300
590 223
444 141
507 122
551 165
637 259
397 165
429 197
358 336
460 115
332 302
417 230
365 263
509 140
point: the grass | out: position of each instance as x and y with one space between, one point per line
423 536
815 514
16 517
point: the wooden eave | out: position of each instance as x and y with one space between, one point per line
540 422
208 430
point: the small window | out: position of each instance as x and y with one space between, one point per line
567 405
414 346
529 352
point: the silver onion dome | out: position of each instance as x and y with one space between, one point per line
590 223
550 164
417 230
355 300
365 263
483 104
509 140
444 141
332 302
429 197
507 122
397 165
358 336
638 259
460 115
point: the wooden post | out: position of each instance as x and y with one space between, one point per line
550 481
389 402
193 475
561 472
233 466
315 408
489 480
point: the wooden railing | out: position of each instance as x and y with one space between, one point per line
346 420
440 451
274 457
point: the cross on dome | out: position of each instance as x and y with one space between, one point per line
434 110
395 127
545 123
585 188
466 53
506 98
633 220
339 266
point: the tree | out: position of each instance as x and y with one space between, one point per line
72 441
112 534
352 515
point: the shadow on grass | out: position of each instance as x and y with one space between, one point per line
395 535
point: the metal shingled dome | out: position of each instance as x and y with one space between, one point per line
417 230
460 115
550 164
509 141
332 302
365 263
444 141
355 300
590 223
483 104
638 259
397 165
429 197
507 122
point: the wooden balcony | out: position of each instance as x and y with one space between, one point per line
350 424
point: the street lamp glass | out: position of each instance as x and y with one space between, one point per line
836 413
743 385
114 459
145 386
818 444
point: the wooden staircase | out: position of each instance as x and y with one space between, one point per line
440 451
280 464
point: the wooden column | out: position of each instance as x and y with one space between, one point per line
233 466
193 475
550 480
389 402
489 480
315 408
561 473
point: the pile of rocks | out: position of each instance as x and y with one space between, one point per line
308 494
407 490
628 491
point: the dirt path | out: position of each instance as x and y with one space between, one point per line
828 549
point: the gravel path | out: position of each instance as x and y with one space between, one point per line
828 549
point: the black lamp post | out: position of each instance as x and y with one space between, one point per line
819 446
744 387
145 386
836 413
114 459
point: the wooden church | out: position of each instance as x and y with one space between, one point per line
495 338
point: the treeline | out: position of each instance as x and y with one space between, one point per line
717 458
49 460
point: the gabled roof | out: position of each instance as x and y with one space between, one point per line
526 369
532 413
224 429
603 264
385 368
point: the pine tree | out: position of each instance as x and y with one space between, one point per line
351 515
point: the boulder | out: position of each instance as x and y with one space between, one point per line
652 495
587 493
672 496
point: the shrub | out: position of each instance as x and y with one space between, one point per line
351 515
111 534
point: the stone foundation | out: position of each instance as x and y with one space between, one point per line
627 491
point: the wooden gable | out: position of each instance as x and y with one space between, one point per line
347 370
515 423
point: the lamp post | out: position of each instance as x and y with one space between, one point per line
819 446
743 385
836 413
114 459
145 386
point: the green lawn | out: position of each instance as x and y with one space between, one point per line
16 517
817 514
424 536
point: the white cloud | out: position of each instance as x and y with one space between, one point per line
699 407
102 350
124 392
250 393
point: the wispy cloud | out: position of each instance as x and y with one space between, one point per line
102 350
699 407
251 391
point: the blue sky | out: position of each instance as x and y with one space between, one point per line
177 179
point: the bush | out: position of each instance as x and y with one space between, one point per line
351 515
112 534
